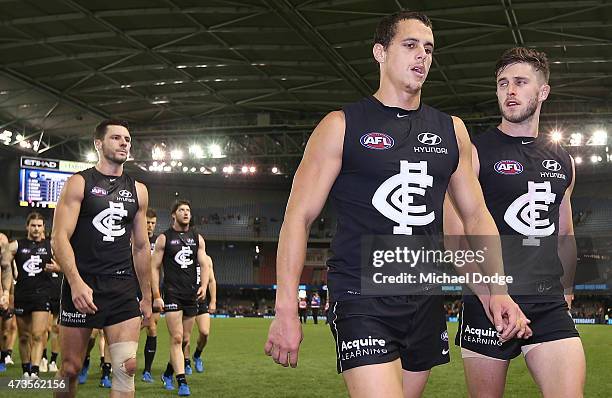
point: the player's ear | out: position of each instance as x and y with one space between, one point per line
544 91
379 53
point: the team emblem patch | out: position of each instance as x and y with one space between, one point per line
508 167
377 141
550 164
97 191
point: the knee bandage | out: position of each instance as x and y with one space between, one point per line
122 352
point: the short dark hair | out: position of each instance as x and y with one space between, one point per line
387 27
101 128
178 203
533 57
34 216
151 213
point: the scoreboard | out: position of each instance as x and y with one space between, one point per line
41 180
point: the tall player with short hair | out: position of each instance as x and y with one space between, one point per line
32 305
356 155
527 183
6 315
151 343
99 239
182 253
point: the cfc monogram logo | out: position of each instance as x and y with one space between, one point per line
31 266
108 221
411 180
183 257
524 214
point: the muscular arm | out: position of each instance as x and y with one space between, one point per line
567 242
203 261
212 285
64 222
141 249
156 264
311 185
8 254
468 200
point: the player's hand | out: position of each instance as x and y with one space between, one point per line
568 299
158 305
212 307
53 267
146 311
201 293
508 319
82 297
284 338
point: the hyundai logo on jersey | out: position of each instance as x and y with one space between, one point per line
377 141
508 167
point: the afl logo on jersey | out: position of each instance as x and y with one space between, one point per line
508 167
377 141
551 165
125 193
97 191
429 138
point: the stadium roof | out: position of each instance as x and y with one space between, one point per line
272 68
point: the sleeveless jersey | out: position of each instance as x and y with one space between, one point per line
102 237
180 262
524 180
30 259
396 166
152 240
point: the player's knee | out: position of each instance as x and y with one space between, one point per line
177 339
37 337
24 338
70 368
123 362
152 330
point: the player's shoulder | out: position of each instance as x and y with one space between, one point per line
487 137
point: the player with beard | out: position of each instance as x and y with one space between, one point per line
100 240
32 286
151 343
182 253
357 156
527 183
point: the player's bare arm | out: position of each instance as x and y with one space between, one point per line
64 223
467 196
567 241
313 180
8 254
204 268
141 250
212 288
156 265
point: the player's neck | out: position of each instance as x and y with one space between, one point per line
30 237
527 128
179 228
109 168
399 98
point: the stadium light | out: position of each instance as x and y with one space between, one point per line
179 164
578 160
173 163
167 168
274 170
158 153
176 154
196 151
556 136
213 169
215 151
202 169
252 169
6 137
575 139
228 169
599 137
91 157
594 159
245 169
185 169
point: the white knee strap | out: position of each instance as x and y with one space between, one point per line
120 354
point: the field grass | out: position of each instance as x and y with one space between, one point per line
236 367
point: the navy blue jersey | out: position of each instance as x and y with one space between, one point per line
524 180
31 259
102 237
181 269
396 166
